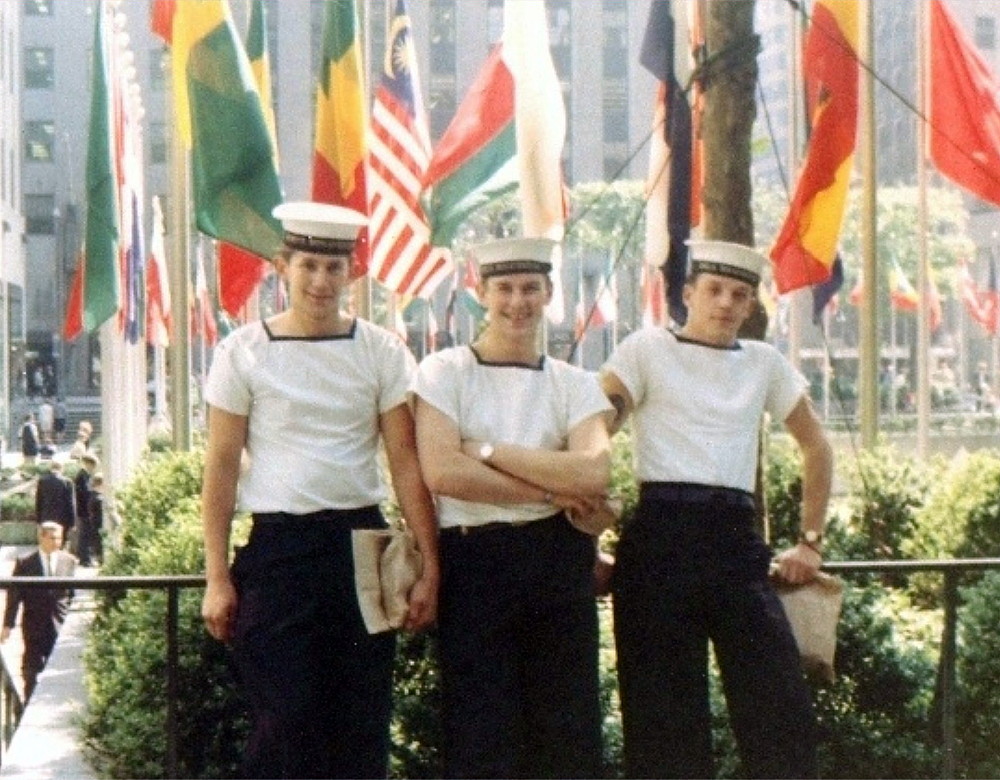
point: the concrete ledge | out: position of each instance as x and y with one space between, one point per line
48 743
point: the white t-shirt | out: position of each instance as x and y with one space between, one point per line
313 406
698 408
503 403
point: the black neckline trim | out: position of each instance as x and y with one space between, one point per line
334 337
735 347
508 364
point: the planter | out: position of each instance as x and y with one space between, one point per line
19 532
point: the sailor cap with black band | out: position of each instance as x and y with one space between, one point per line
319 227
514 256
724 258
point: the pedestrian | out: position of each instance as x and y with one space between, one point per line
60 414
82 443
92 540
309 394
29 440
46 419
510 441
691 568
84 527
55 499
44 608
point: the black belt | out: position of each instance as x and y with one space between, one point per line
361 517
691 493
466 530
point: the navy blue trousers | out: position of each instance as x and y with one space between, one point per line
319 686
518 644
686 575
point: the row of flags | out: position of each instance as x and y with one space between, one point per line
964 138
507 133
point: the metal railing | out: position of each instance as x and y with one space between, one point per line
952 570
172 585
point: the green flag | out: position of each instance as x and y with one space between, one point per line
235 181
101 287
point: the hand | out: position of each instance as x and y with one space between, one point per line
218 609
423 604
798 565
604 566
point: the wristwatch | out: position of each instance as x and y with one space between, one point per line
486 452
812 539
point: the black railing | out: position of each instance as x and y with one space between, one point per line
952 571
172 585
11 707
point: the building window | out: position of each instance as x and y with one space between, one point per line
39 140
157 70
615 53
560 38
494 21
442 107
40 214
986 32
39 67
157 143
442 30
615 112
38 7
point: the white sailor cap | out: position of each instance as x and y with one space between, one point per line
319 227
514 256
726 259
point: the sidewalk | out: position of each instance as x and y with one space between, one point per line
48 742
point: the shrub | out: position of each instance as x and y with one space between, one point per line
17 508
126 664
978 669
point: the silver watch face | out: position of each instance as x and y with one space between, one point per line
811 536
486 451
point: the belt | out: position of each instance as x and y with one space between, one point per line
690 493
360 517
468 530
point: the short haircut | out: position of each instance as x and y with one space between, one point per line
50 526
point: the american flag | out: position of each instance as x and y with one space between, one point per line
401 255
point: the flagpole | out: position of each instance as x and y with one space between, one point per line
796 298
868 347
179 352
923 274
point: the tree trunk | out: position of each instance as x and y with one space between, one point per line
730 86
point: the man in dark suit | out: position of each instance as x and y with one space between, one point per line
44 608
54 499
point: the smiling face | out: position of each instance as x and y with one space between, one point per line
515 303
717 308
316 283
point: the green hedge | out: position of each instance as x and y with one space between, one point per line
876 718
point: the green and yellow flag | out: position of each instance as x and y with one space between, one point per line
220 118
341 117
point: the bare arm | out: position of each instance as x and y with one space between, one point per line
450 472
802 562
227 434
582 470
399 438
620 398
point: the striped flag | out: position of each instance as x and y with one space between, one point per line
339 173
401 255
158 314
804 251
